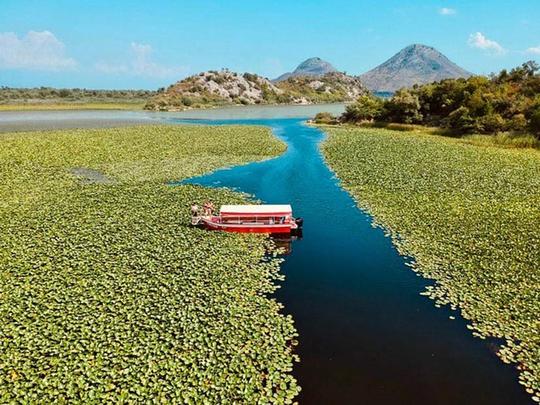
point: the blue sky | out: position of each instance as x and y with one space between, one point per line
148 44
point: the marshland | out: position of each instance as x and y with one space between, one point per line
100 274
393 146
108 295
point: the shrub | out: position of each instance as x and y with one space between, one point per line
534 124
187 101
250 77
491 123
283 98
460 120
518 123
219 79
365 108
403 107
325 118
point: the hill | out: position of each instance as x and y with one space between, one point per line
328 88
213 88
415 64
310 67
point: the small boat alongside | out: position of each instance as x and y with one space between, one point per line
265 218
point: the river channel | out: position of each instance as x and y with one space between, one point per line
367 336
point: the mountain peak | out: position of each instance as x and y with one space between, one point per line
414 64
310 67
418 46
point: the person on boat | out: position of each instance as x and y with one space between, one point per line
194 210
208 208
211 207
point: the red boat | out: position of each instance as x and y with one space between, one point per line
272 219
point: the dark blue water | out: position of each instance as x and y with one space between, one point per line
366 335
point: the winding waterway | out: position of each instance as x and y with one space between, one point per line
366 335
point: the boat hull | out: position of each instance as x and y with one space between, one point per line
248 228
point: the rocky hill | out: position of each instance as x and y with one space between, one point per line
309 67
213 88
415 64
328 88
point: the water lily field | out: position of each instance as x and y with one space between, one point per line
107 295
468 215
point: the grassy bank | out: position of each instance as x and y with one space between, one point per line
70 106
48 98
501 139
470 217
108 295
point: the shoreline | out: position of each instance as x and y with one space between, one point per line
11 121
138 106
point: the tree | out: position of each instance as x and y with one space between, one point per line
534 123
531 68
365 108
404 107
491 123
460 120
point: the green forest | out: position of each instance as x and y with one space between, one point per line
505 102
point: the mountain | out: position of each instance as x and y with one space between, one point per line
309 67
415 64
330 87
213 88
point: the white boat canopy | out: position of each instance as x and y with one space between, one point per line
267 209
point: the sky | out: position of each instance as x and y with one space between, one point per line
107 44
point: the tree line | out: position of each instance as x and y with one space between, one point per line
39 94
507 101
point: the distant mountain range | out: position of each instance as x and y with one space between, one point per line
415 64
313 81
309 67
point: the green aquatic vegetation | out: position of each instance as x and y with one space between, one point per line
107 295
468 215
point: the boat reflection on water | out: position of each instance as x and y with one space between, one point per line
283 241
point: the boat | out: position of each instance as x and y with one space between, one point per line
264 218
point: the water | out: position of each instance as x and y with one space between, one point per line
37 120
366 335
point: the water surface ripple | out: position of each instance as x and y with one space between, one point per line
366 335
